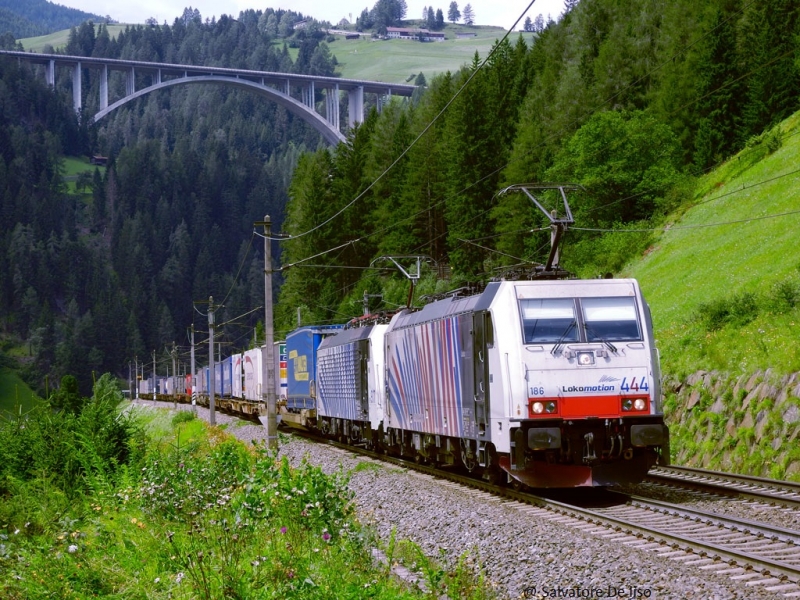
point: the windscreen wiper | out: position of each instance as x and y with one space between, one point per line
557 348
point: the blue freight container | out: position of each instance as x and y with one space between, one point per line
227 377
301 346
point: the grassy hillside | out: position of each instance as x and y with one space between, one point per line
399 61
15 393
59 38
723 281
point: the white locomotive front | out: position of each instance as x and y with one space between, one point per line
546 383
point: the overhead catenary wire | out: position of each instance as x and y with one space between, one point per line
699 226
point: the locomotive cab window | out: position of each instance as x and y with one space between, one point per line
610 319
549 320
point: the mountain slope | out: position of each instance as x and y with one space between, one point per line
723 281
39 17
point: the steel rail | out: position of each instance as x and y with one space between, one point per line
759 489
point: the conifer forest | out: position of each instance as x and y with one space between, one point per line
631 99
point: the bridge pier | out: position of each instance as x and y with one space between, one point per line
76 87
104 87
355 111
130 82
307 95
332 105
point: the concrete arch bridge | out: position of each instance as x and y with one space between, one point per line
296 93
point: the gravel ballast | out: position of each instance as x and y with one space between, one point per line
523 555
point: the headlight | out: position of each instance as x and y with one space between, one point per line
585 358
639 404
550 407
537 407
627 404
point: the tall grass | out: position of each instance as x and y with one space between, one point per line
147 505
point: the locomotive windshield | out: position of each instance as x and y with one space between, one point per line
549 320
610 319
556 320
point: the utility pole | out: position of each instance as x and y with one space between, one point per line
194 377
130 382
211 368
174 379
155 380
268 364
136 374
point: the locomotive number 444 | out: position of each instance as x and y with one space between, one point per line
633 386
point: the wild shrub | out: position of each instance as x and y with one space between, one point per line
738 309
105 439
770 140
181 481
54 457
183 416
784 296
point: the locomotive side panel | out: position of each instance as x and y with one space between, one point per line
424 373
340 382
376 375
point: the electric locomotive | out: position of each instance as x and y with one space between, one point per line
540 381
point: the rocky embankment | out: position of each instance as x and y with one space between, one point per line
746 423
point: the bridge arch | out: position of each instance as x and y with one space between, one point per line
278 87
329 132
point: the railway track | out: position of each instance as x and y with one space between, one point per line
755 553
757 489
771 552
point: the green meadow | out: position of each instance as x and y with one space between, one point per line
15 395
400 61
723 278
58 40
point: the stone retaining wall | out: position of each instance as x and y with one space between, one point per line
744 424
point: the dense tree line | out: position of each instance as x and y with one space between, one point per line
91 280
630 99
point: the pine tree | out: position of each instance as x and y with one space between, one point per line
469 15
453 14
720 92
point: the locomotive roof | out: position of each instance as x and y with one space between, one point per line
347 336
448 307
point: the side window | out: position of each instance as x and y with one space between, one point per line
548 320
489 330
610 319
